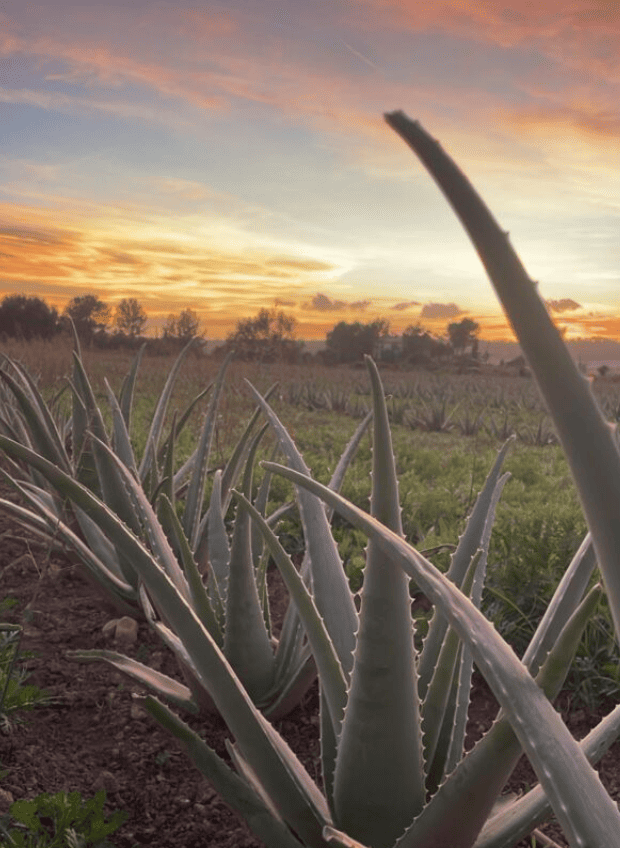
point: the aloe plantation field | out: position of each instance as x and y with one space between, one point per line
88 728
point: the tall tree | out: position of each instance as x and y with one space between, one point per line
349 342
130 317
27 317
268 337
463 335
184 326
88 313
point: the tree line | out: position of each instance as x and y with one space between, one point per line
267 337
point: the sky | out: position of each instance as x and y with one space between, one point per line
228 157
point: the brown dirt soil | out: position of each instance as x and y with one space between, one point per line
94 735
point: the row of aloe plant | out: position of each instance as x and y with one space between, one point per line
232 600
392 718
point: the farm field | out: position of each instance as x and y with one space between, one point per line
447 429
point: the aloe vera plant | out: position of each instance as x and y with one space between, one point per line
222 577
392 718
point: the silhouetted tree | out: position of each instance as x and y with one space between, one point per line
88 313
349 342
130 317
463 335
419 346
27 317
268 337
184 326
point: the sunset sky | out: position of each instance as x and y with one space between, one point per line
231 156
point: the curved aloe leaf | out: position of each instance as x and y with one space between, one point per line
196 490
468 544
591 450
586 812
247 646
125 397
329 583
233 788
157 423
159 683
379 776
333 682
470 792
44 433
517 820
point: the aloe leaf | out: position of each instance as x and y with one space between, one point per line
455 724
288 691
218 549
591 450
159 415
162 685
121 441
584 809
235 463
518 819
43 432
348 454
126 394
330 834
285 779
565 599
200 599
472 789
329 583
196 490
467 546
232 788
441 685
247 646
47 524
379 777
332 678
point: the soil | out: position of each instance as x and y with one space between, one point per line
93 735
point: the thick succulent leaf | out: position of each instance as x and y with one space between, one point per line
590 447
232 788
332 677
516 820
288 691
44 435
120 434
286 781
470 792
196 489
199 596
436 702
566 597
247 645
468 544
148 521
159 415
329 583
235 463
43 521
584 809
126 394
98 541
330 834
218 549
455 723
379 777
348 455
160 684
